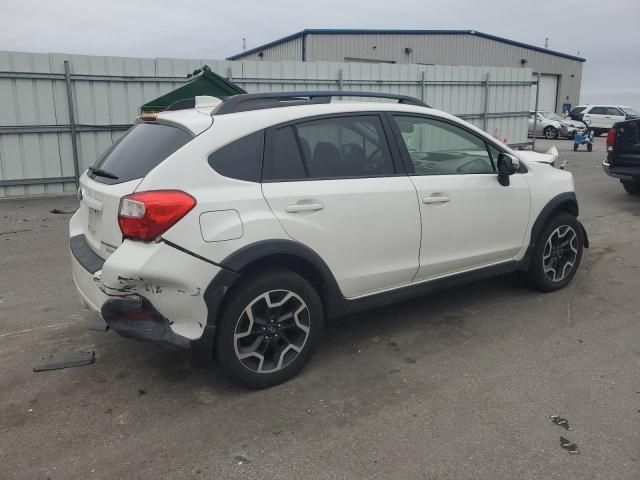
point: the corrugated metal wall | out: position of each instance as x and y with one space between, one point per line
289 50
431 49
447 50
35 141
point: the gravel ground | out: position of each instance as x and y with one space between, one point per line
459 385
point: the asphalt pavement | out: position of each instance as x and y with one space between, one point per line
457 385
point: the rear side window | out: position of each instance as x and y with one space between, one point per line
598 111
339 147
345 147
285 161
138 152
240 159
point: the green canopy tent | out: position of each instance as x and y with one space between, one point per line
203 82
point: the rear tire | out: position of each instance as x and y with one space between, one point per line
550 133
270 329
557 254
589 147
575 147
632 188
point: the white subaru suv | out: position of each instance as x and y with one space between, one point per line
238 227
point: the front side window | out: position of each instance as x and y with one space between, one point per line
440 148
614 111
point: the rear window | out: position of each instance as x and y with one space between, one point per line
138 152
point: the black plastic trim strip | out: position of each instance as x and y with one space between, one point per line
86 257
566 199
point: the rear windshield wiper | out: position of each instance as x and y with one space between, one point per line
102 173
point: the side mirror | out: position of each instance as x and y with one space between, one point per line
507 165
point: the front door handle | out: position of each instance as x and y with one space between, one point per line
435 199
304 207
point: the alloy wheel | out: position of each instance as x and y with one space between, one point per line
271 331
560 253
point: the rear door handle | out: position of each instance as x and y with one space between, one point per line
304 207
435 199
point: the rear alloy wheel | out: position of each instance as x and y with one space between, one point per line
269 329
632 188
558 253
550 132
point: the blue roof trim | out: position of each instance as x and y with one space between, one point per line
279 41
338 31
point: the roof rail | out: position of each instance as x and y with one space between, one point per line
259 101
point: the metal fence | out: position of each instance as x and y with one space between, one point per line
59 112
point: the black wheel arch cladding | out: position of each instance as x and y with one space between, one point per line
256 254
564 202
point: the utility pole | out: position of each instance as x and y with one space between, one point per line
546 42
244 44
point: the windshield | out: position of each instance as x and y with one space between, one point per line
632 112
550 116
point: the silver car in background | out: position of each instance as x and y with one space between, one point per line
551 125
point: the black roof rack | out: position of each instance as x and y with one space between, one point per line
259 101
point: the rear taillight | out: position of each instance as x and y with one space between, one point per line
611 140
147 215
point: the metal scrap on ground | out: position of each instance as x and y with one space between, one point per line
568 445
558 420
66 360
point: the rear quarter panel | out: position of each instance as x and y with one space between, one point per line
188 170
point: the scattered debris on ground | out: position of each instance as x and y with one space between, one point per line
15 231
558 420
62 212
66 360
568 445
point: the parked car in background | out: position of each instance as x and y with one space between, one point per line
623 155
239 226
601 118
552 125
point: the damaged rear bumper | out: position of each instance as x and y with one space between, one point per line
137 318
147 291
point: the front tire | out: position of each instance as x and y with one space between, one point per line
557 254
589 147
575 147
550 133
270 329
631 188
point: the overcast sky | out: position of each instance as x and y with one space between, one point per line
607 34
